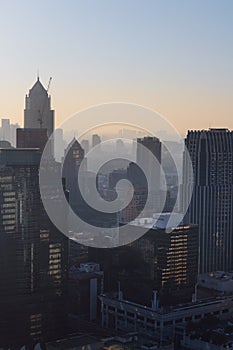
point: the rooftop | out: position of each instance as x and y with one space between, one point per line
160 221
20 156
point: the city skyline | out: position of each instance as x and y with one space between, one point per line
116 175
173 57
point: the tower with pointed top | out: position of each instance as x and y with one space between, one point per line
38 113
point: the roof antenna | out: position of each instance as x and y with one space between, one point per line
38 78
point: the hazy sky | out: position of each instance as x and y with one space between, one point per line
173 56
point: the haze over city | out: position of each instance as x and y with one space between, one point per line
174 57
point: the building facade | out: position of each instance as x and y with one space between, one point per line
31 138
124 315
163 261
145 146
33 256
211 153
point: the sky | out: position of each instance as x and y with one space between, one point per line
173 56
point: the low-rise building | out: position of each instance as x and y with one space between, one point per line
123 315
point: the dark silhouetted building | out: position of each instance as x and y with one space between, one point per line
33 256
163 261
32 138
74 155
211 153
38 119
153 145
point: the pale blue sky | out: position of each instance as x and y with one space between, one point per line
174 56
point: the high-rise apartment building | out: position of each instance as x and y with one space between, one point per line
211 153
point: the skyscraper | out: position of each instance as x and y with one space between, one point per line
74 155
153 145
211 153
33 256
38 112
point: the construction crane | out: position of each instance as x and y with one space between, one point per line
41 112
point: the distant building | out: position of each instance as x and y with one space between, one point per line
38 113
74 155
96 140
120 147
152 165
138 179
38 120
75 174
85 146
59 144
211 153
8 131
136 205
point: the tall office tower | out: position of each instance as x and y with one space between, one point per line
33 256
211 153
38 113
153 145
95 140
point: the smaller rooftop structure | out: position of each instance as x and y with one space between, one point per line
160 221
85 271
